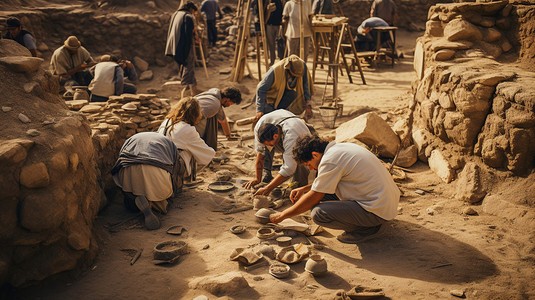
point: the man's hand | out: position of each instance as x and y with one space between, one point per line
263 191
258 116
298 193
276 218
308 113
250 184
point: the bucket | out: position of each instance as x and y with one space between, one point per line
328 115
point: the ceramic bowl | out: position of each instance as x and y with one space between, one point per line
169 250
262 215
284 241
279 270
265 233
316 265
237 229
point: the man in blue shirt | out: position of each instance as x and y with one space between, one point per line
209 8
366 39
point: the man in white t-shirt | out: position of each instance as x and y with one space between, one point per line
366 195
291 15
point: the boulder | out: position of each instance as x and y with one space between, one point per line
491 35
469 186
226 284
443 54
372 130
434 28
14 151
407 156
445 44
34 176
422 139
76 104
459 29
141 64
22 64
440 166
44 211
147 75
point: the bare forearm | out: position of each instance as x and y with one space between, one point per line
276 182
259 167
305 203
226 127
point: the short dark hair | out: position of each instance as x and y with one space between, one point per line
114 58
188 5
232 93
305 145
266 132
13 23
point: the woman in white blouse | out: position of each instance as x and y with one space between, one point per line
179 126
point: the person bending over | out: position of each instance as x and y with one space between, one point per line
365 195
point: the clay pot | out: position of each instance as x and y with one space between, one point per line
279 270
169 250
284 241
261 201
237 229
265 233
316 265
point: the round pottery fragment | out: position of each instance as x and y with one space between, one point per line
237 229
292 254
262 215
221 186
278 203
265 233
316 265
175 230
284 241
169 250
279 270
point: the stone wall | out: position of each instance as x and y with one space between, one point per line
55 166
472 97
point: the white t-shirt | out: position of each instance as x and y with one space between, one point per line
291 10
354 173
292 128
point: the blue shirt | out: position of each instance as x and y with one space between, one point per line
209 8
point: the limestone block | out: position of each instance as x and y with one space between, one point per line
141 64
445 44
492 154
419 59
226 284
76 104
492 78
487 22
520 118
459 29
23 118
91 108
34 176
43 211
469 187
445 101
443 54
505 45
434 28
372 130
503 23
440 166
490 49
21 64
522 149
491 35
407 156
468 102
58 162
147 75
14 151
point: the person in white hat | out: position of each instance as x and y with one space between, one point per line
71 61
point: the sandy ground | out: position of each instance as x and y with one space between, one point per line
430 249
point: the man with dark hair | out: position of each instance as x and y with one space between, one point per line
366 195
286 85
180 38
21 36
279 130
212 103
366 39
109 76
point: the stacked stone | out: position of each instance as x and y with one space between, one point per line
225 48
467 30
476 106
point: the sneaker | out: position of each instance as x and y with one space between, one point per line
151 220
355 237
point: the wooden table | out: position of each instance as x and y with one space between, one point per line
390 51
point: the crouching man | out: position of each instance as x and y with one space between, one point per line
365 198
